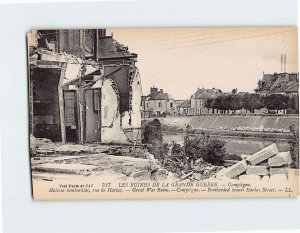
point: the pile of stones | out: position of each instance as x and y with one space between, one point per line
264 165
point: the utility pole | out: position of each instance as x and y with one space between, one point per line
283 63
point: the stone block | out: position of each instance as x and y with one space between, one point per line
265 164
234 170
141 175
250 178
281 159
257 170
221 174
263 154
160 174
279 170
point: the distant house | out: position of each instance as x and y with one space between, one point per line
157 103
198 99
282 83
184 107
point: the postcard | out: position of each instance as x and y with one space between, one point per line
143 113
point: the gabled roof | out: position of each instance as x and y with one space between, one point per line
206 93
267 81
276 83
185 104
163 96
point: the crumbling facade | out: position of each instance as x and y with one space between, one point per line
84 87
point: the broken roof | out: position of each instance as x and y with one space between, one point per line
109 48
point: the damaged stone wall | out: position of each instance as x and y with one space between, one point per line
119 74
131 120
111 131
125 81
135 93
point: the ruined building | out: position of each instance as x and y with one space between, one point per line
84 87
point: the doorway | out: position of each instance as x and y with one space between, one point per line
93 115
71 121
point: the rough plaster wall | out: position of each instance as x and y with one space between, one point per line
111 131
125 120
114 134
109 104
72 72
134 114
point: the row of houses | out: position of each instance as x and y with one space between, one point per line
84 87
158 103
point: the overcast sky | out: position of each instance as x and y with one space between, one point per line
181 60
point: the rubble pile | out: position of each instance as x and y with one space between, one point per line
95 165
141 169
50 161
41 146
44 147
264 165
200 169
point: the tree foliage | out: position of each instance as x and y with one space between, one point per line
276 102
250 102
152 135
210 149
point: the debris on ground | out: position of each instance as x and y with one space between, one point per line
200 169
261 166
94 165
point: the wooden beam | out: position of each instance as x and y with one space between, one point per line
62 103
81 107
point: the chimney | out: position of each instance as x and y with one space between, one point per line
161 91
153 92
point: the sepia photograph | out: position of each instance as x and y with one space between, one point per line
141 113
